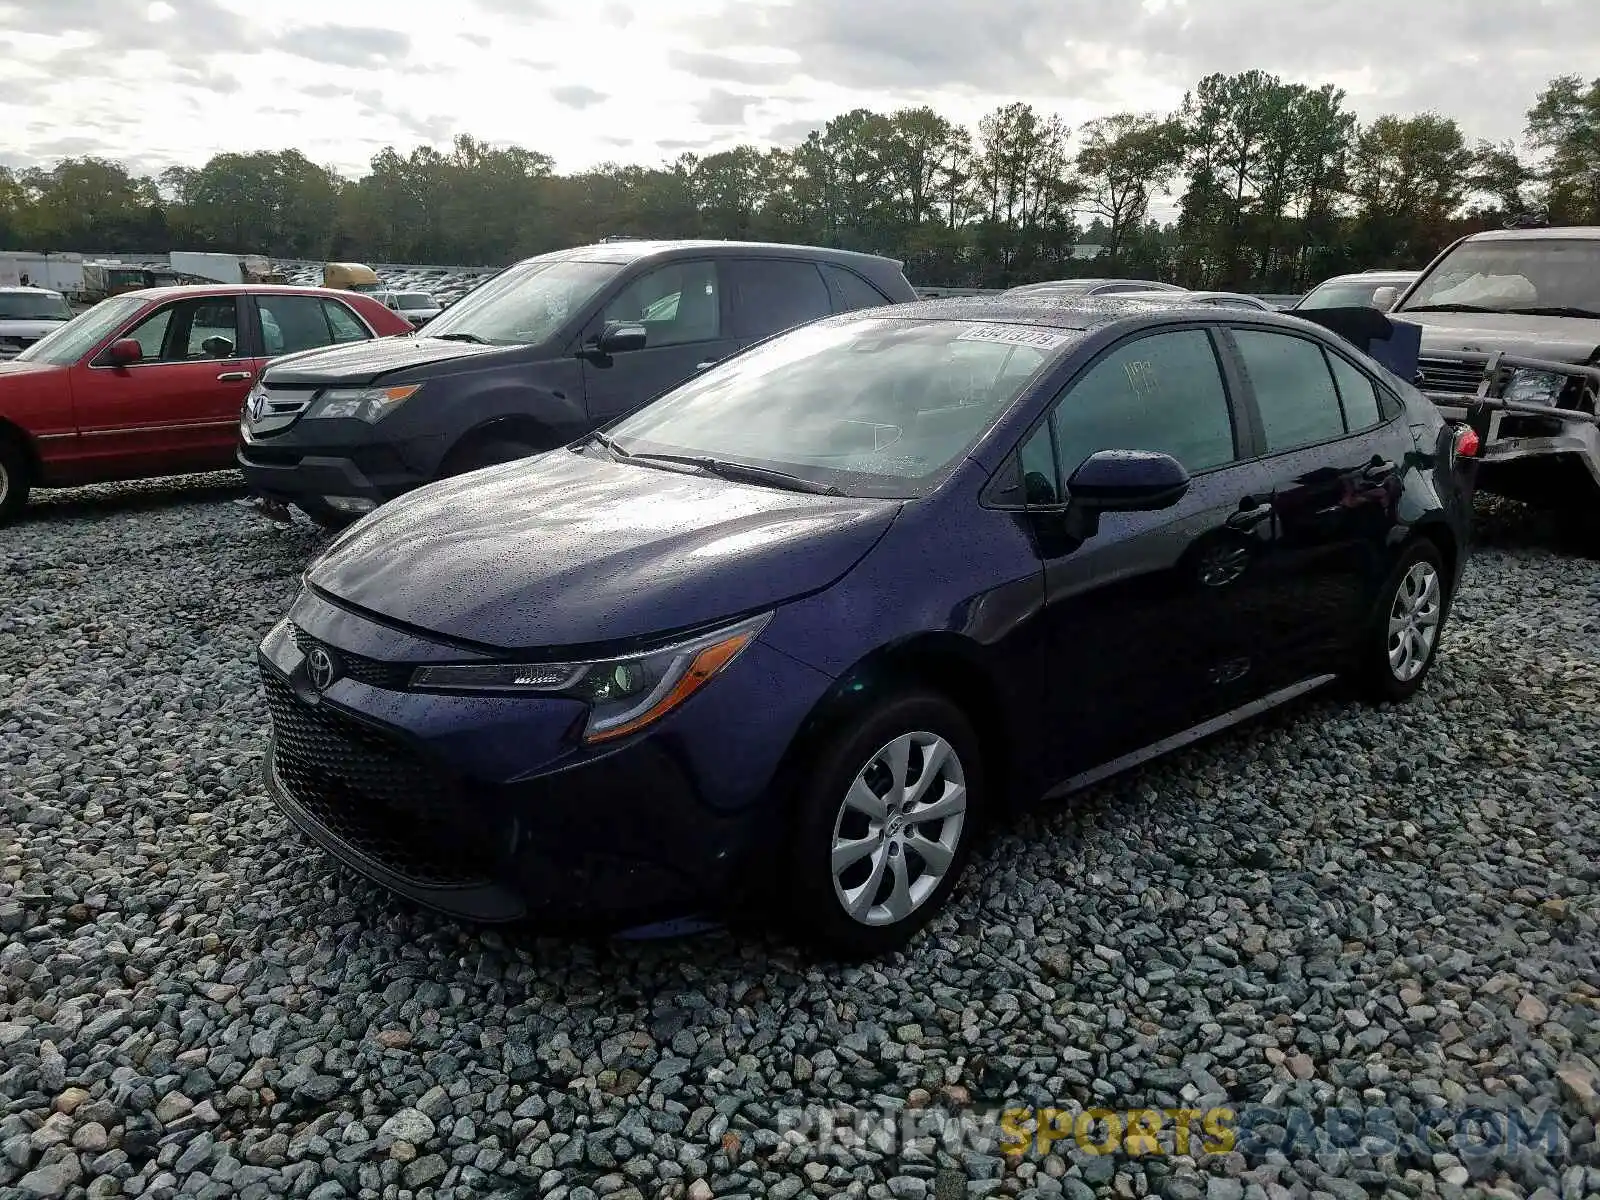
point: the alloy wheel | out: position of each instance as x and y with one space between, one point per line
1414 621
5 483
898 829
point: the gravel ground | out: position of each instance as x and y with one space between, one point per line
1336 908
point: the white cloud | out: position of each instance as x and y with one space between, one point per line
178 80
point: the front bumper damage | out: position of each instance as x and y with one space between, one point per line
1543 453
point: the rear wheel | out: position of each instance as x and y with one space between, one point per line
16 478
1400 646
885 826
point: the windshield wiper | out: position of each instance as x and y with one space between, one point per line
461 337
1463 308
730 470
1556 311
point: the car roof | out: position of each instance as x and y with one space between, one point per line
1554 233
179 290
629 252
1082 314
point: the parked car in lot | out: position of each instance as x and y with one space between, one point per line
531 359
808 619
1207 299
1513 316
1369 289
28 314
1071 289
151 382
416 307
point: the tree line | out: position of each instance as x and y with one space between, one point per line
1277 185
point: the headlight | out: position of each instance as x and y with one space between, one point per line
364 404
624 694
1535 387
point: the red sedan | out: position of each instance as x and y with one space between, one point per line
152 382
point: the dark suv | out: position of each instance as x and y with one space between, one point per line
533 358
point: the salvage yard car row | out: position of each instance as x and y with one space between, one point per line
864 574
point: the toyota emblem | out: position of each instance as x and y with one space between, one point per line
321 668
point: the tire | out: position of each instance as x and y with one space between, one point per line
1400 646
854 760
16 479
487 452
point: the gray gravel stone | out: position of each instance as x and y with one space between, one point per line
1333 907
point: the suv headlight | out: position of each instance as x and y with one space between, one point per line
1535 387
364 404
624 694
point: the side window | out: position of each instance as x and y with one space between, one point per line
1357 393
769 295
1163 392
292 323
849 290
676 303
190 331
343 323
1041 482
1293 387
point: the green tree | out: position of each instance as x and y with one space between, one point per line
1564 123
1124 160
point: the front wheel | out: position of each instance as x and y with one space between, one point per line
14 480
487 452
1399 648
885 826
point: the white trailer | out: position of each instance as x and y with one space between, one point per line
58 272
224 268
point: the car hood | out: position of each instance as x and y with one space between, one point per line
1564 339
18 327
568 549
12 369
366 362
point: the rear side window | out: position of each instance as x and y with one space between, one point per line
1294 389
769 295
1357 394
292 323
849 290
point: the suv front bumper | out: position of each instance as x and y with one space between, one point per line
280 469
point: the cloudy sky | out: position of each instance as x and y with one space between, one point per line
156 82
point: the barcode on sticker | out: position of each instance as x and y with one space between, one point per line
1015 335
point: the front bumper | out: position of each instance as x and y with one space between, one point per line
281 469
489 809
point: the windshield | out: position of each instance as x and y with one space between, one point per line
415 300
874 406
34 306
1515 275
1346 295
525 304
64 346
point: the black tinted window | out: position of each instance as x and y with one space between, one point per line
1294 390
1357 393
1162 392
771 295
850 291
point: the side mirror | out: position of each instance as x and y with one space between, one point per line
1127 481
618 338
1383 298
124 352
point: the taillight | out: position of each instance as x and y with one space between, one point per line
1467 442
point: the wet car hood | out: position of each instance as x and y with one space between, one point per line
571 549
366 362
1564 339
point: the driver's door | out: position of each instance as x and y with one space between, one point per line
177 408
681 306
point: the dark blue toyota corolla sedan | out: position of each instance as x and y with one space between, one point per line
797 627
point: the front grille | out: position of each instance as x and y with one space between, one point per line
1448 375
370 671
371 792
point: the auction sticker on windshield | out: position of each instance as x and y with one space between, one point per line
1016 335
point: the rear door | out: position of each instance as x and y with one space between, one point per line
681 306
176 409
1335 461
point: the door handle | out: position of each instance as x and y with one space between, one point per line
233 376
1251 513
1379 468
